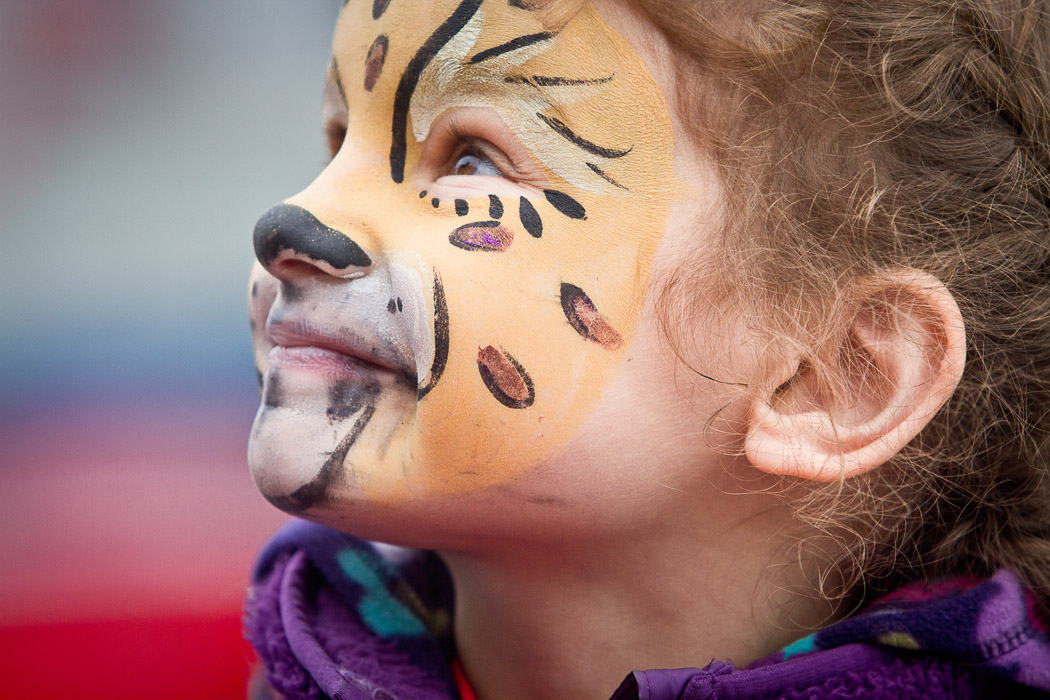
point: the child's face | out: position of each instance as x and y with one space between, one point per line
441 310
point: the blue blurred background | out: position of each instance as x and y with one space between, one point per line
139 141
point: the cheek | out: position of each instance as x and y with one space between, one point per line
531 303
541 298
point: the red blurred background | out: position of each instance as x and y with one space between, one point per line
138 142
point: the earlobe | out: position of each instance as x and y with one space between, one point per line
898 363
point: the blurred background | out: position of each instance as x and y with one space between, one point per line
139 141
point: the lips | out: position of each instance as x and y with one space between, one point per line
311 357
303 344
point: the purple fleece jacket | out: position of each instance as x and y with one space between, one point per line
332 616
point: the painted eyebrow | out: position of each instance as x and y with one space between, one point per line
512 45
554 80
604 175
565 132
333 67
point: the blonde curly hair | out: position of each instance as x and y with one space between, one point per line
855 136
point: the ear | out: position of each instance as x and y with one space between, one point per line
898 362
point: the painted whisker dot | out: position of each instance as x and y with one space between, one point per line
374 61
462 207
435 202
586 319
495 207
423 194
505 378
490 236
565 204
530 218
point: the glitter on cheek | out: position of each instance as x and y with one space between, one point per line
488 236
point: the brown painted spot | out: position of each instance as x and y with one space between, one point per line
378 8
484 235
374 61
505 378
586 320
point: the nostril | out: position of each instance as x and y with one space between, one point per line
290 267
288 234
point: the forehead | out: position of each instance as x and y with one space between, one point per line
579 81
435 22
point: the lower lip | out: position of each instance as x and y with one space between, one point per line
314 359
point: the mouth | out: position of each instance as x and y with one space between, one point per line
307 346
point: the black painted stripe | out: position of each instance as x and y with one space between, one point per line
514 44
555 80
565 132
316 491
410 78
441 333
602 174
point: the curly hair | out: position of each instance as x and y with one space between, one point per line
854 136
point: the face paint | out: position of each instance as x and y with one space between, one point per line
425 331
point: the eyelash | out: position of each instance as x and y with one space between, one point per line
485 155
468 151
468 145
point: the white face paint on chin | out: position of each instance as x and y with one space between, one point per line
420 333
338 360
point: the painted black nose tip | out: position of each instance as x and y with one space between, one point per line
287 227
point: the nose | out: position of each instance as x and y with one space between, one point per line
288 236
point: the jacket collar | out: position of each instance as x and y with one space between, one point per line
336 616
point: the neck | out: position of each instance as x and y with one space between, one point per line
571 619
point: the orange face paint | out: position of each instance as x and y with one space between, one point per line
473 261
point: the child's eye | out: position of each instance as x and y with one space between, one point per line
472 161
470 148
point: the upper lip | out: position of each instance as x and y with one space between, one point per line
302 333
